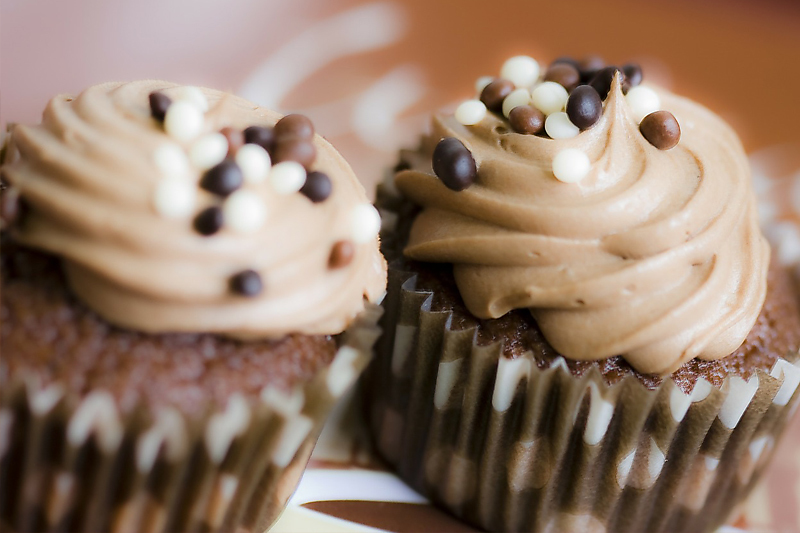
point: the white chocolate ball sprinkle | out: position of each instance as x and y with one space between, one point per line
193 95
244 212
287 177
549 97
522 71
365 223
175 197
208 150
559 126
571 165
470 112
482 82
642 101
171 160
183 121
254 162
516 98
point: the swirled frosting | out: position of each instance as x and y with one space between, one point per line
654 255
87 174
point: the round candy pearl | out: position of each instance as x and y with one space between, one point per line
365 223
171 160
571 165
193 95
287 177
549 97
175 197
208 151
522 71
558 126
183 121
482 82
244 212
642 101
254 162
470 112
516 98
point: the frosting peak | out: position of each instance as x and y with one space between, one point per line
654 255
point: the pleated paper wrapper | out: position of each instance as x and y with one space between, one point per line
78 464
509 446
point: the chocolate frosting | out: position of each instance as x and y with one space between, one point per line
655 255
88 175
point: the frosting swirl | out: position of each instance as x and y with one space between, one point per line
88 175
654 255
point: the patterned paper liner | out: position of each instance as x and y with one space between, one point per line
70 464
506 445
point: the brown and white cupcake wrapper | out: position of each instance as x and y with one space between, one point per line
508 446
69 464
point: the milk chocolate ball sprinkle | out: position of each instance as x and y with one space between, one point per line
494 94
262 136
564 74
454 164
526 119
584 107
318 187
342 254
295 125
223 178
208 221
295 149
661 129
246 283
159 103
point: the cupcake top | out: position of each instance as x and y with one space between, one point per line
621 215
179 209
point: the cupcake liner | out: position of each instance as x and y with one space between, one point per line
506 445
78 464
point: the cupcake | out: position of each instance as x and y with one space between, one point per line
583 329
188 285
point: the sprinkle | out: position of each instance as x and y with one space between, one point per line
183 121
342 254
175 197
633 74
589 67
602 80
454 165
365 223
246 283
317 187
571 61
244 212
549 97
208 151
563 73
171 160
234 137
642 101
287 177
522 71
159 103
571 165
661 129
526 119
482 82
470 112
295 149
495 92
254 162
558 126
584 107
223 178
516 98
298 126
192 95
12 206
208 221
262 136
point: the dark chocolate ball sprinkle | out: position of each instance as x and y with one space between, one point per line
318 187
564 74
223 178
208 221
590 66
661 129
262 136
567 61
235 139
494 94
633 74
159 103
584 107
295 126
602 81
295 149
526 119
342 254
454 164
402 165
246 283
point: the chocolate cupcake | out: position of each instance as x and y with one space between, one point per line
187 288
583 331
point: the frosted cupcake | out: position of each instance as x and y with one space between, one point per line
186 288
583 329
